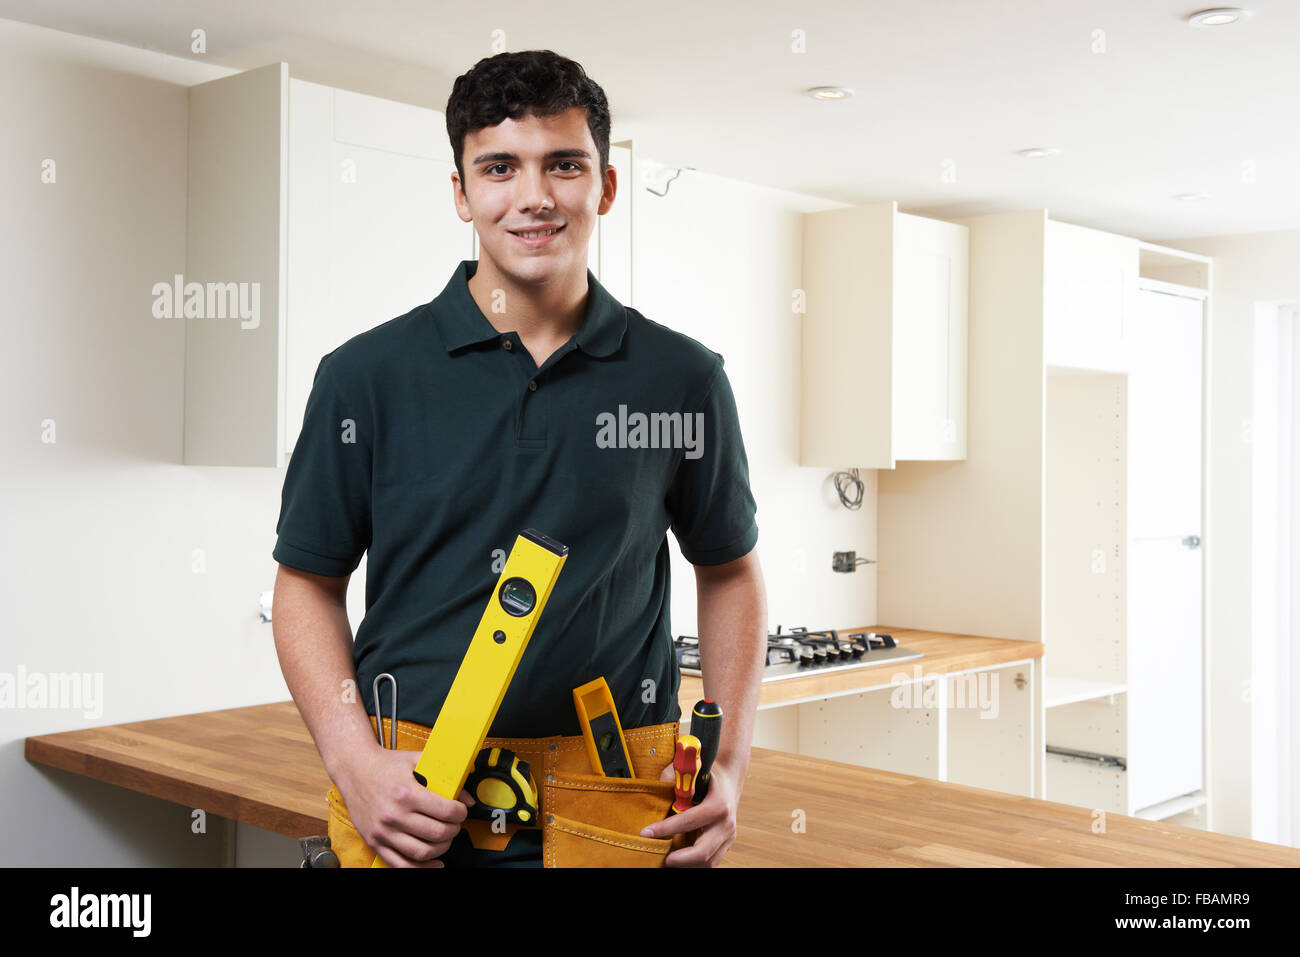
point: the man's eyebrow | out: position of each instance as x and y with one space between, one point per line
570 153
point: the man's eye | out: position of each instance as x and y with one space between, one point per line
571 163
496 166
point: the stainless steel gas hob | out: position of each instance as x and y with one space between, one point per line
801 652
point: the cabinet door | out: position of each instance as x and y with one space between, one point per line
1165 672
930 297
1165 399
235 240
373 230
1090 283
1165 618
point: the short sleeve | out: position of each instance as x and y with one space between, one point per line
324 525
710 502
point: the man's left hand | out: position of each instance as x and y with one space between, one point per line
716 814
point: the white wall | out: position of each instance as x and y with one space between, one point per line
719 260
101 527
1248 269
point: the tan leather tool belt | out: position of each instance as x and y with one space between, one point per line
587 820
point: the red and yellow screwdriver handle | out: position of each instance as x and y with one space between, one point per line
686 766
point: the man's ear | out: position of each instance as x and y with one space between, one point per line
460 199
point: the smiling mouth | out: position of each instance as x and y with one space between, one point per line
535 233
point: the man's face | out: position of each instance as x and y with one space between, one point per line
532 174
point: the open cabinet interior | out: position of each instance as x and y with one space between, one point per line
1085 533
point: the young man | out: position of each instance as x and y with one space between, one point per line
434 439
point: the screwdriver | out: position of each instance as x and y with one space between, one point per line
706 724
686 766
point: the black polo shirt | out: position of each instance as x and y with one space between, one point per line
433 440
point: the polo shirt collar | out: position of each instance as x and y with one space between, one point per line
461 323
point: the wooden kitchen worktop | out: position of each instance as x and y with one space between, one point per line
259 765
943 652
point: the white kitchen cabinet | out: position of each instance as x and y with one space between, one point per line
339 207
1075 520
236 233
1124 608
884 338
1165 629
973 727
340 204
1089 287
373 229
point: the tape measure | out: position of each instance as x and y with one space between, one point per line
501 782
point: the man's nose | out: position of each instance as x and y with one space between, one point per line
533 191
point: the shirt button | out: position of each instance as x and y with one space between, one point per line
506 343
532 386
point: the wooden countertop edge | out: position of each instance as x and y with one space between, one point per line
1145 843
165 784
882 828
943 653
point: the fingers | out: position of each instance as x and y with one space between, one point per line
403 850
418 827
704 814
423 801
707 851
395 860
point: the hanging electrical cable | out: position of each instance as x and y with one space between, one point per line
849 487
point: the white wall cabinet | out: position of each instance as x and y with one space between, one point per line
884 338
340 207
373 230
1090 284
236 232
341 204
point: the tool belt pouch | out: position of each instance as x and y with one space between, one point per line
593 821
588 820
345 840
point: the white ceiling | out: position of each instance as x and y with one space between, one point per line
1166 109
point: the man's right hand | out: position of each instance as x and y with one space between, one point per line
406 825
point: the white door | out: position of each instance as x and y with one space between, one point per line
1165 575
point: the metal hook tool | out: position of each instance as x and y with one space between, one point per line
379 712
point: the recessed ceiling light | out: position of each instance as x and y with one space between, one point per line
1035 152
829 92
1190 197
1217 17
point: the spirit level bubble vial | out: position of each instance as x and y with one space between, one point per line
531 570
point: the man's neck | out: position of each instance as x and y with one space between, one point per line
548 313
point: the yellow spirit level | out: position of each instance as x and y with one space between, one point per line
457 736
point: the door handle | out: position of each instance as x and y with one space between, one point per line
1192 541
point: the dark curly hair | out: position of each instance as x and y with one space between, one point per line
540 82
